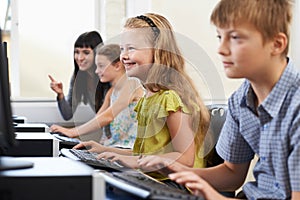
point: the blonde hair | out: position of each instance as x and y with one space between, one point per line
168 70
270 17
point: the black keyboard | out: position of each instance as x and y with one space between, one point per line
65 139
89 158
145 187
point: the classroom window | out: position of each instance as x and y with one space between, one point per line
41 42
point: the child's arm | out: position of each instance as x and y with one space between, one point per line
219 175
75 132
224 177
128 93
182 141
295 195
182 138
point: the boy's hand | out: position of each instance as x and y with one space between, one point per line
197 185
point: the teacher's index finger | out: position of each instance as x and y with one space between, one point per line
51 78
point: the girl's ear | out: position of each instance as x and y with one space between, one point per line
119 65
280 43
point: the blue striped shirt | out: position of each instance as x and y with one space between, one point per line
271 131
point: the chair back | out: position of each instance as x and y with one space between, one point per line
218 114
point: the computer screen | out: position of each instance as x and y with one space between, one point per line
7 133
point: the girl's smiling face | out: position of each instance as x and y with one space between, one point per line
137 53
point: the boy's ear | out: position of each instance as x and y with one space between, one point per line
280 42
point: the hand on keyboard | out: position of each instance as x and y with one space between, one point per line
57 133
92 146
146 187
126 160
155 163
90 158
69 132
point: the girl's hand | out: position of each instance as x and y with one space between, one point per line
92 146
161 164
66 131
127 161
197 185
156 163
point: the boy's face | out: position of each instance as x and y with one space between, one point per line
242 51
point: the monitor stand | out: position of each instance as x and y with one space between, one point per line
11 163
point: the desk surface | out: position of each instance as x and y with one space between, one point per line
49 167
32 125
34 135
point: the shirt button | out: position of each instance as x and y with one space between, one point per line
263 158
277 185
265 127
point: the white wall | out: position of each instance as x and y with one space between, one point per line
191 22
45 43
43 36
295 33
48 113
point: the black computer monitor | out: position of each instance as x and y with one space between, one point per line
7 133
5 60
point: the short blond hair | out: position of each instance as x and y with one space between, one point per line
269 17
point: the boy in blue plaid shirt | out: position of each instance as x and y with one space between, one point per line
264 113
